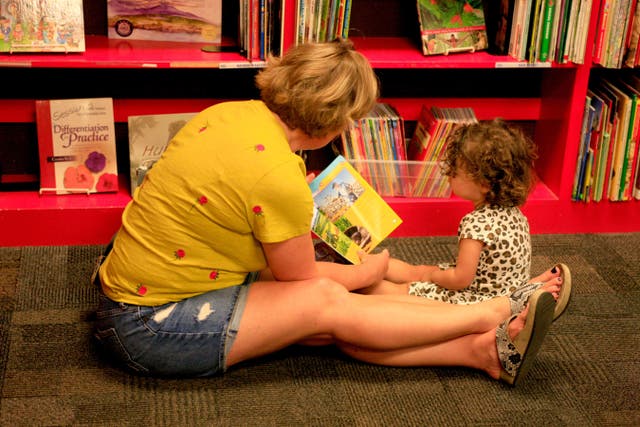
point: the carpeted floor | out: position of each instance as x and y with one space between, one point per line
587 373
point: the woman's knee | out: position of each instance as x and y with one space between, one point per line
327 291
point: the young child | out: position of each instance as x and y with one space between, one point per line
489 164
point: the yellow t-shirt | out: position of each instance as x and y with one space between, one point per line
227 182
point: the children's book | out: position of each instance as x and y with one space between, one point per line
197 21
149 136
349 215
448 26
77 146
41 26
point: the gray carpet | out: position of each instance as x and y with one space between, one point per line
587 373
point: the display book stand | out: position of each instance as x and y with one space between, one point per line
26 218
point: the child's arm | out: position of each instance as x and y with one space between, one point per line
460 276
402 272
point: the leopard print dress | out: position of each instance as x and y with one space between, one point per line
505 260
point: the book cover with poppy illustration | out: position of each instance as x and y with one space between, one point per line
77 146
349 215
149 136
448 26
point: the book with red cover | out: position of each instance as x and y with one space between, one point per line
77 146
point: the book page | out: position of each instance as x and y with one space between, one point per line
351 216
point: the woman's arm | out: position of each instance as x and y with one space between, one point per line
294 259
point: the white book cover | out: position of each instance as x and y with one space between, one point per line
149 136
197 21
77 146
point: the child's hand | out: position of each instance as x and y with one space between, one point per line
374 266
310 177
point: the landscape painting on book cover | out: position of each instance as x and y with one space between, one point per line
41 26
448 26
198 21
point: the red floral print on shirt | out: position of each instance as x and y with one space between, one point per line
214 274
179 253
202 200
257 209
259 148
141 289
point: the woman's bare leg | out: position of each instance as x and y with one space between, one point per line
474 351
279 314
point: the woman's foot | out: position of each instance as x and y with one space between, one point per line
518 339
556 280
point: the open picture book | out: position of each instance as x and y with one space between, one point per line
349 215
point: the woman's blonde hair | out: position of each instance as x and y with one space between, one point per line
319 88
497 155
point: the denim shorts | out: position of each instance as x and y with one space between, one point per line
191 337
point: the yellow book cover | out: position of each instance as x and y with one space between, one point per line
350 216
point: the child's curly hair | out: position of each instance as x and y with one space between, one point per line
494 154
319 88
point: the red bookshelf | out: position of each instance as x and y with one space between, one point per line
554 106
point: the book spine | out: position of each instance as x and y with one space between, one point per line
347 19
603 18
45 143
547 26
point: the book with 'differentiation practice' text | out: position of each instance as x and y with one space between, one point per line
77 145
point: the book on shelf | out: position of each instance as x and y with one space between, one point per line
429 143
260 28
378 136
519 29
349 215
195 21
499 17
452 26
585 156
30 26
322 20
76 145
547 23
433 127
149 136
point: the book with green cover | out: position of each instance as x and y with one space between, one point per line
349 215
448 26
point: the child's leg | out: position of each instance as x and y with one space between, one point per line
386 287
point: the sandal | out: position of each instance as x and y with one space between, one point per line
519 298
517 356
565 292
